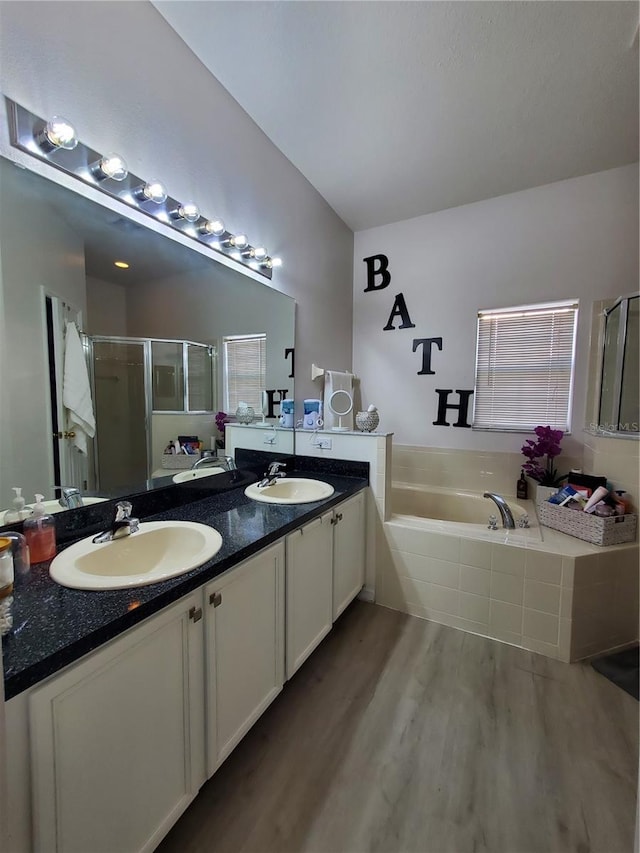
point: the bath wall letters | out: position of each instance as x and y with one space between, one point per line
382 270
426 344
399 310
378 268
443 406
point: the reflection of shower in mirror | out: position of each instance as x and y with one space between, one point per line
341 404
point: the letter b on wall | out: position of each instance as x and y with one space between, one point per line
377 266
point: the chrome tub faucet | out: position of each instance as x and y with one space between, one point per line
504 509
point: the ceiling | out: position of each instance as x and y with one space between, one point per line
396 109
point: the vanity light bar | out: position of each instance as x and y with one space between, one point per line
57 143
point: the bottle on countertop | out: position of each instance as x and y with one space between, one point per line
18 513
40 533
522 487
6 586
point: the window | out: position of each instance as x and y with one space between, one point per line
245 370
524 367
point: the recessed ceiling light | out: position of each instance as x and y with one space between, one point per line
123 265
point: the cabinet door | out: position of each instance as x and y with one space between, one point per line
118 740
244 649
309 589
348 552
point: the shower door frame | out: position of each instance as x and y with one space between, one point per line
146 350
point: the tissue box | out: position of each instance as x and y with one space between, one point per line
179 461
591 528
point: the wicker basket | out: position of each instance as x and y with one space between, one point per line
179 461
599 531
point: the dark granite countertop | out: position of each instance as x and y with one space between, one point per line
54 626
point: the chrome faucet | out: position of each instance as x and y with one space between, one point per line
505 510
123 524
70 497
221 461
272 475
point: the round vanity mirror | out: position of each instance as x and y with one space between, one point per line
341 404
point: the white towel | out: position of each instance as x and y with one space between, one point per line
336 381
76 390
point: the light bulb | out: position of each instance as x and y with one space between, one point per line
240 241
111 166
152 191
259 253
213 227
60 133
188 211
270 263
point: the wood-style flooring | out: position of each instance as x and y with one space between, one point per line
406 736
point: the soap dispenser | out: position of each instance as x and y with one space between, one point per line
18 513
40 533
522 487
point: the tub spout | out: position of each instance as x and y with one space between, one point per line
505 510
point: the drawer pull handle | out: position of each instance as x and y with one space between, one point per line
216 599
195 613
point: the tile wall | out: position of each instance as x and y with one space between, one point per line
474 470
559 605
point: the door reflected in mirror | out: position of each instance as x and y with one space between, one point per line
57 244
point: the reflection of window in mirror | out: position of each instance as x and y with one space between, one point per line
244 370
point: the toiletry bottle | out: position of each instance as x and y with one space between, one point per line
6 586
18 513
40 533
522 487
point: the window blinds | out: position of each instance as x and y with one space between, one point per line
245 370
524 367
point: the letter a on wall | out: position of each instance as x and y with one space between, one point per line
399 310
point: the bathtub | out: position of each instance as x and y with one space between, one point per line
460 513
534 587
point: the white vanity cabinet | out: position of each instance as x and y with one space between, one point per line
117 740
309 589
119 743
348 552
244 655
325 571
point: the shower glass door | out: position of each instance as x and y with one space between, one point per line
122 413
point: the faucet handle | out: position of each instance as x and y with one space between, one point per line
123 511
274 467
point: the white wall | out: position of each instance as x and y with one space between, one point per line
206 308
574 238
39 253
106 308
131 85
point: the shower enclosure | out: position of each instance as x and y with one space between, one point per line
134 379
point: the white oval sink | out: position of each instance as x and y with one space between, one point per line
290 490
53 506
196 474
157 551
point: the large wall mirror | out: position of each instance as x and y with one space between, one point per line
153 335
619 411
